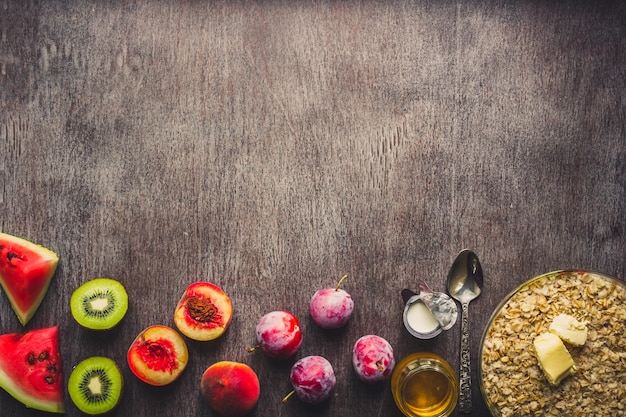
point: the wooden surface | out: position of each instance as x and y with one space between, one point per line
271 147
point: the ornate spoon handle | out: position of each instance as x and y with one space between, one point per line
465 394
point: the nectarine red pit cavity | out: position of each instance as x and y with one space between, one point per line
159 355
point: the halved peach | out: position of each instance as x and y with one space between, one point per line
158 355
204 312
231 389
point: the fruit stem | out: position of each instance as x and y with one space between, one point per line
252 348
379 366
288 395
340 282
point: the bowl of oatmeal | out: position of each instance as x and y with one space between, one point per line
511 380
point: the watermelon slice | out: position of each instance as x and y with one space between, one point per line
30 368
25 273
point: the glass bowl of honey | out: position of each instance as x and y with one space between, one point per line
424 385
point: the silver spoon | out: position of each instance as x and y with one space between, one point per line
464 283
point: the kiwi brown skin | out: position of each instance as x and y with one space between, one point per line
110 379
99 304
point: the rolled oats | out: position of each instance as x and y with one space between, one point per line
512 381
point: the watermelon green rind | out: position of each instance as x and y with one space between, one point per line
43 405
34 380
26 270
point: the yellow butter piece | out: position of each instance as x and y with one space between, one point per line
569 329
554 358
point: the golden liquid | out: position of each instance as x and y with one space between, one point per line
427 393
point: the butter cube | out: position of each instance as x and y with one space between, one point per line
569 329
554 358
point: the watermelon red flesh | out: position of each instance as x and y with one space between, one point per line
31 368
26 270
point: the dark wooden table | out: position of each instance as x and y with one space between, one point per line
271 147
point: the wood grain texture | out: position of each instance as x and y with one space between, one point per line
271 147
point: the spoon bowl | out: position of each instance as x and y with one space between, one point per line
465 279
464 284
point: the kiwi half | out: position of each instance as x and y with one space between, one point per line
95 385
99 304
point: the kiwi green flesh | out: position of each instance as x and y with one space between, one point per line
95 385
99 304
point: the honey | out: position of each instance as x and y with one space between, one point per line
424 385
